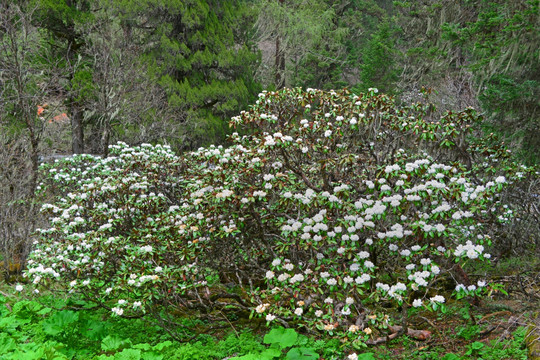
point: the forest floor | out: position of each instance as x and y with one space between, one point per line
52 326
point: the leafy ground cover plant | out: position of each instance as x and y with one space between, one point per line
49 327
282 340
335 213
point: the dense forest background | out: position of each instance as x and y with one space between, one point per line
78 75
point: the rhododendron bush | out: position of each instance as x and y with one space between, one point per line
333 211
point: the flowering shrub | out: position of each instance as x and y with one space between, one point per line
333 210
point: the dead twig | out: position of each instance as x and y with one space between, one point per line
397 331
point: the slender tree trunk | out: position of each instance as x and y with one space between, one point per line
34 154
75 108
77 135
105 141
28 114
279 65
282 68
277 79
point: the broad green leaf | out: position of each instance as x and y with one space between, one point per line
162 345
477 345
11 323
44 311
302 353
128 354
270 354
60 322
7 343
151 356
26 309
96 330
282 337
114 343
142 346
450 356
366 356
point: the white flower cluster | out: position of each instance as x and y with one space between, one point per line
392 168
225 193
469 249
377 209
410 167
420 277
118 311
259 193
392 291
471 289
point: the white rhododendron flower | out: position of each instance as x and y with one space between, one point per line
117 310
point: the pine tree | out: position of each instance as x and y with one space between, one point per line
377 69
197 50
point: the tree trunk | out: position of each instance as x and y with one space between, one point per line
77 136
105 141
279 65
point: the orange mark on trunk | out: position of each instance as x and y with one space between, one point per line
41 109
62 118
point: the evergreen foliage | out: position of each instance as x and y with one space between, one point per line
192 50
482 54
504 44
378 66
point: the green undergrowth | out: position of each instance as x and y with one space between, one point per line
55 329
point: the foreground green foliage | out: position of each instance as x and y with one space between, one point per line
59 329
46 329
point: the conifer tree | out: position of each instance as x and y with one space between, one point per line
197 50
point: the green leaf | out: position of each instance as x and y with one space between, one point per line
60 322
162 345
96 330
151 356
7 343
44 311
477 345
26 309
11 323
302 353
366 356
114 343
270 354
143 346
128 354
450 356
302 340
281 336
